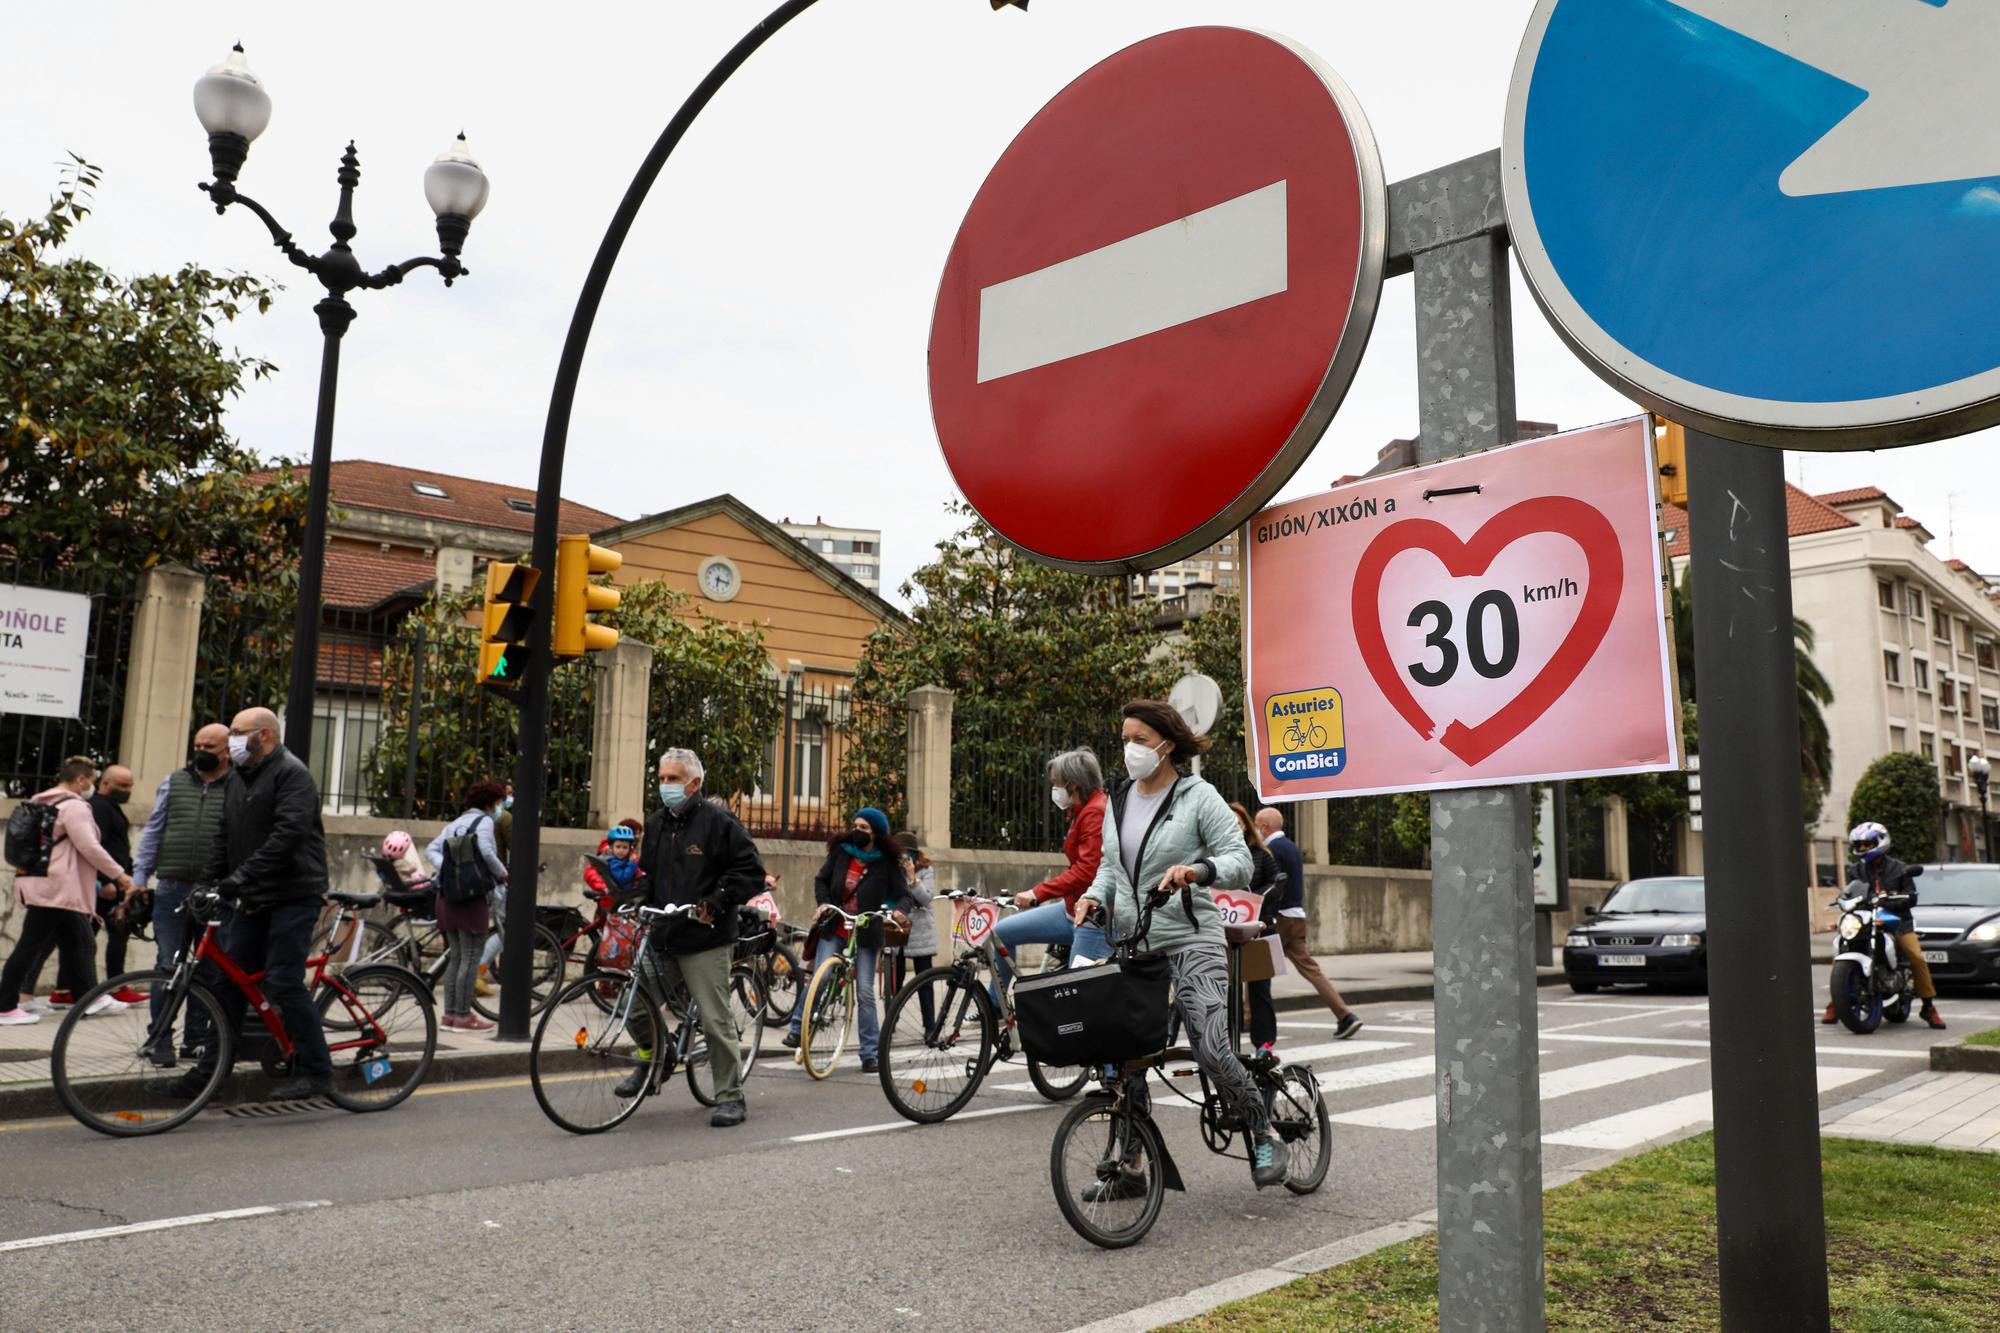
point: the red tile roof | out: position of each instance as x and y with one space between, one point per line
1854 495
1803 514
357 580
362 484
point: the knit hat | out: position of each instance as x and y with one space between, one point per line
876 820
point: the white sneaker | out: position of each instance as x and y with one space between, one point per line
18 1018
104 1004
35 1004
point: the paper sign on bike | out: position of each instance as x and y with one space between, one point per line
1497 618
1239 907
976 921
765 904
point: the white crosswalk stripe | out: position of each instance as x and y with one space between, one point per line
1648 1123
1421 1112
1315 1054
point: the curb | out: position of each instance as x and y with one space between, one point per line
1956 1057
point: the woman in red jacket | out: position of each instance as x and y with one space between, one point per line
1076 785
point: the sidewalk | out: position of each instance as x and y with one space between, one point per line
1940 1110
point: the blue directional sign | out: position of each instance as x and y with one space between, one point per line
1776 220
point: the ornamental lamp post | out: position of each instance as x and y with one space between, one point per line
1982 773
233 107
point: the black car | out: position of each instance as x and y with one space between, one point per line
1958 923
1650 930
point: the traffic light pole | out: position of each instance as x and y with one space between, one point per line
529 769
1770 1219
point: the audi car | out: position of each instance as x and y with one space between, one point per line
1958 923
1649 930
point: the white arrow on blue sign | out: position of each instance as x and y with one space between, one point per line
1773 220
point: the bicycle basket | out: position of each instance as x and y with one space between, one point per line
1105 1014
618 946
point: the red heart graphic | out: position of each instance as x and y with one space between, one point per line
978 922
1563 515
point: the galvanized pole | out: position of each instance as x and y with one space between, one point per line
1449 227
1770 1220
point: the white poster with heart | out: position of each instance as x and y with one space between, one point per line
1498 618
976 919
764 903
1239 907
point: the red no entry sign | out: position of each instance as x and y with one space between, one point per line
1158 298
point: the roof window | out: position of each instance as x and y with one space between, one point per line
429 490
520 506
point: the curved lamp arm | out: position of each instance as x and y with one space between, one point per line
395 273
224 194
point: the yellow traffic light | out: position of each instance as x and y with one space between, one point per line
577 597
503 629
1672 454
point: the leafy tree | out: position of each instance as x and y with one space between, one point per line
711 691
1815 693
1039 659
117 457
1900 792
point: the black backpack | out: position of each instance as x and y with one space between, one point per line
31 835
464 876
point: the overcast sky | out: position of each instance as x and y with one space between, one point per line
765 330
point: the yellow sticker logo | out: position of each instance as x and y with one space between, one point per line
1305 733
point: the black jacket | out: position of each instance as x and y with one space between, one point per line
1896 881
882 886
699 855
270 847
1292 865
114 830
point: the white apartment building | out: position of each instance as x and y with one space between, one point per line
857 552
1219 567
1908 641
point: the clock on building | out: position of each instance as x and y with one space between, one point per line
719 579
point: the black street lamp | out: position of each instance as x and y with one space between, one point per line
1982 773
233 107
517 946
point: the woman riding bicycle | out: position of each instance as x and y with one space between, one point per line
1076 785
863 872
1175 838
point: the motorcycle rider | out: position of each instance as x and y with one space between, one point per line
1884 875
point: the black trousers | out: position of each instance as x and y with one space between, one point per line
276 941
43 929
116 933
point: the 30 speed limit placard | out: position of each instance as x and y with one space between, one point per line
1493 619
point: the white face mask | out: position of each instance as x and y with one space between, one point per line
239 749
1060 795
1141 760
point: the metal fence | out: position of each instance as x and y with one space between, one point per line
794 758
32 747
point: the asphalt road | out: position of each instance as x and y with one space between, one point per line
465 1206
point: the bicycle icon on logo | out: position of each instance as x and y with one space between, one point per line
1298 736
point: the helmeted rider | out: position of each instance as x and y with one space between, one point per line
1884 876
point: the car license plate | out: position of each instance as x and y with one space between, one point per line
1623 960
1936 956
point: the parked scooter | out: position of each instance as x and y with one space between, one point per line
1870 981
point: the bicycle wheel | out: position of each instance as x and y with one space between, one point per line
1298 1112
1058 1083
746 1008
104 1074
930 1071
829 1014
585 1055
1105 1168
782 977
393 1023
545 976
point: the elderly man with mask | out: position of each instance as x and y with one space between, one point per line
269 857
187 811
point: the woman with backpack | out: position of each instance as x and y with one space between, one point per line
467 857
52 844
1171 839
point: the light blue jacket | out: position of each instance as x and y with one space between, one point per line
1194 825
489 849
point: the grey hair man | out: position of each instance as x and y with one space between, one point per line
1291 918
695 854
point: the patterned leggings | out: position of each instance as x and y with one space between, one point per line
1201 990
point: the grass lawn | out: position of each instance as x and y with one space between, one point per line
1913 1246
1990 1037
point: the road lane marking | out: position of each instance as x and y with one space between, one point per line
1632 1128
1623 1004
1210 261
884 1128
1633 1017
163 1224
1421 1112
1332 1050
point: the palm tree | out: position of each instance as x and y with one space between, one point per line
1815 693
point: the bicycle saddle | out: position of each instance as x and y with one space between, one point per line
407 898
356 899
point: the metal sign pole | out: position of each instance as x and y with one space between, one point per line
1770 1219
1449 227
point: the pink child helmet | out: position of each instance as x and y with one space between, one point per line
396 846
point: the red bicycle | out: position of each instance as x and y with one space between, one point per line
380 1022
